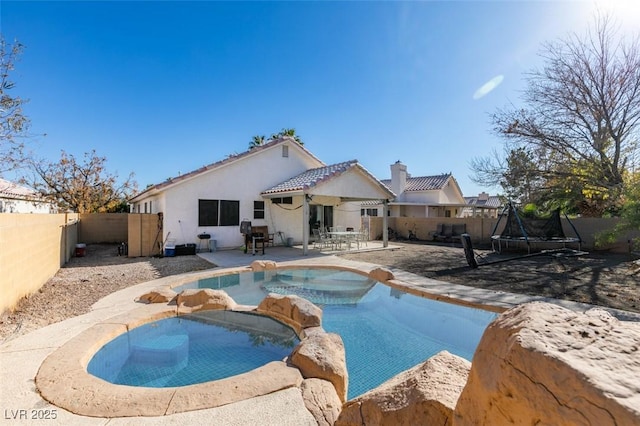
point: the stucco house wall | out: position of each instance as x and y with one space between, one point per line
423 196
240 179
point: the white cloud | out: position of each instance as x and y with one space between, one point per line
488 87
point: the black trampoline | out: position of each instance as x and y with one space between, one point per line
530 231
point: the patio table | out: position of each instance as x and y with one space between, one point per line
345 236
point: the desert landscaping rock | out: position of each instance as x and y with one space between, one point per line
322 356
192 300
159 295
425 394
292 310
539 363
263 265
321 400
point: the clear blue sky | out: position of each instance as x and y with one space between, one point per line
162 88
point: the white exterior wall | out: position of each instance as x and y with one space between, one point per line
12 205
242 180
285 218
423 197
449 195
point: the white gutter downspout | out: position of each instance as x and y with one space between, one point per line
305 224
385 228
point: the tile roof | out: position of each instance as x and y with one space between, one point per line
11 190
493 201
228 159
423 183
311 177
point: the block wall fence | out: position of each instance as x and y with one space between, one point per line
34 246
481 229
32 249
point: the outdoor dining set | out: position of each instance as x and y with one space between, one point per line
339 238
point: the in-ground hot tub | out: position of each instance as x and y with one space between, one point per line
194 348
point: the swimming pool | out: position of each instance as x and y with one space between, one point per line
385 330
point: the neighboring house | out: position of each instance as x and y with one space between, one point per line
20 199
484 205
279 184
423 196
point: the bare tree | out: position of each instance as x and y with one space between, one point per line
84 187
582 119
13 123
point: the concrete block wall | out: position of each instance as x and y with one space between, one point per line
103 228
481 229
34 247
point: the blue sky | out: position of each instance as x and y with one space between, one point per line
162 88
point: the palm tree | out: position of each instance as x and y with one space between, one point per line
288 132
256 141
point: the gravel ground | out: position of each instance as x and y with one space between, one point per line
611 280
85 280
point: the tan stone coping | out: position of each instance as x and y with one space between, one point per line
64 381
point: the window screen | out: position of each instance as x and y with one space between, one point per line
229 213
207 212
258 209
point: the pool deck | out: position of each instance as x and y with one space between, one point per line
21 357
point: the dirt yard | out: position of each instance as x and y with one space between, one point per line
599 278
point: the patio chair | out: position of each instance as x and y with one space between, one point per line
317 239
363 237
321 240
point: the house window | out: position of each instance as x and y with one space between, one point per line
229 213
150 206
447 213
208 212
282 200
218 213
258 209
145 207
368 212
285 150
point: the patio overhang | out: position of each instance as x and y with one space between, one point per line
347 181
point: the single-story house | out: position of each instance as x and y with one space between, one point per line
422 196
15 198
483 205
280 185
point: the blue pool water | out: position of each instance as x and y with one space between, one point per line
384 330
191 349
